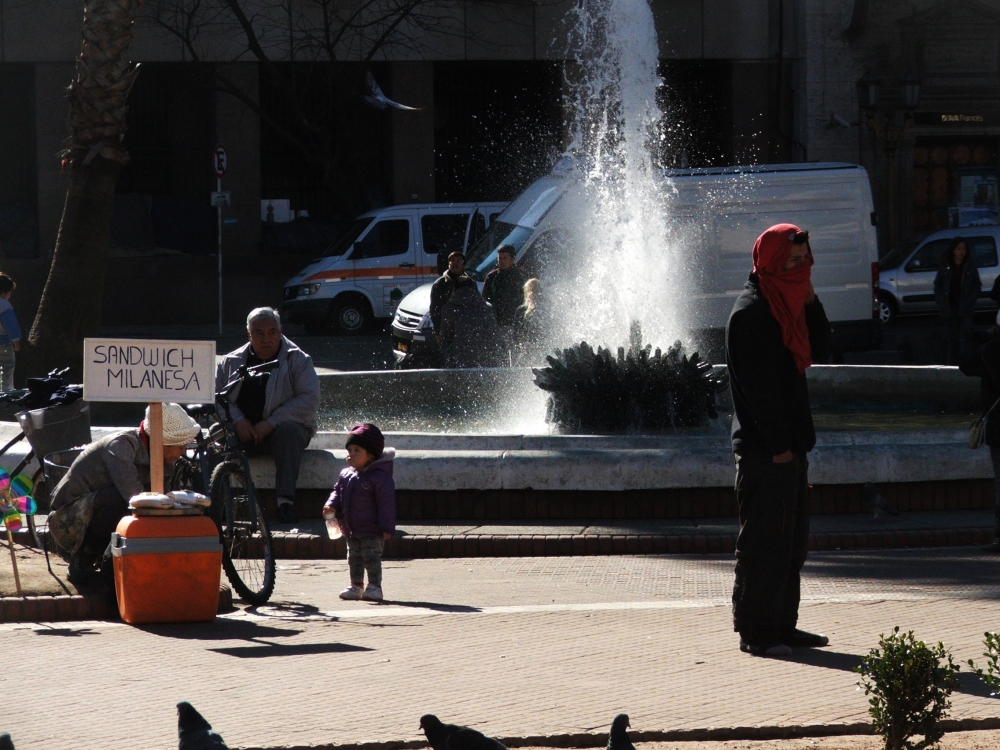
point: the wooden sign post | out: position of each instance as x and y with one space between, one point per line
156 447
150 371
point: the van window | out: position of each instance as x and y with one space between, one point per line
928 257
389 237
443 233
984 250
348 237
549 249
478 228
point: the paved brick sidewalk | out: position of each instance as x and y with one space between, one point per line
514 646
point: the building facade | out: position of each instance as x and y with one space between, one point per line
485 81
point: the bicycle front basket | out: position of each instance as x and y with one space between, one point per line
56 428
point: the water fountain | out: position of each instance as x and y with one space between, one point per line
463 434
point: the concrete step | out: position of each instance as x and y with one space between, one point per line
307 539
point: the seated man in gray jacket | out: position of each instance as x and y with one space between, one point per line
274 412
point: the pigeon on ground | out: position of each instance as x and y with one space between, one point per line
194 732
877 504
618 739
452 737
379 100
6 743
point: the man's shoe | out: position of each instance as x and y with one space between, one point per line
372 594
286 512
803 639
81 569
768 648
351 594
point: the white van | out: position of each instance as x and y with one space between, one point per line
722 212
383 255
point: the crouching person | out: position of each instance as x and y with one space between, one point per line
93 496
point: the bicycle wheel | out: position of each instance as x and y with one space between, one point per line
247 555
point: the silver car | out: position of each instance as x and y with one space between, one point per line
906 274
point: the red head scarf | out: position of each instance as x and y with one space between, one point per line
785 291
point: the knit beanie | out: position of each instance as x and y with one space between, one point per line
367 436
178 427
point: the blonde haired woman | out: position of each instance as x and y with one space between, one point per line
533 321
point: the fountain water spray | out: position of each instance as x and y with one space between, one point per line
628 270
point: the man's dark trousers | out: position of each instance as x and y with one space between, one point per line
771 548
285 445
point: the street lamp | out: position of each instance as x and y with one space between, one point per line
887 132
868 91
909 92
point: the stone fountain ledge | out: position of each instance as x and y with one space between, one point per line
615 464
455 461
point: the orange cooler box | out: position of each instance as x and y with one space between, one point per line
167 568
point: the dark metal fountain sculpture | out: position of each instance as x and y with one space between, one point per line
637 391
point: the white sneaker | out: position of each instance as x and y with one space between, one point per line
372 594
352 593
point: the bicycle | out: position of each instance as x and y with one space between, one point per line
217 463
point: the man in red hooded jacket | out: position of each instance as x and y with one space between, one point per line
776 330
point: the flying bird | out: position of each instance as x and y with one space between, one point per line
618 739
377 99
451 737
877 504
194 732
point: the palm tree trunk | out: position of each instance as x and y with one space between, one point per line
70 308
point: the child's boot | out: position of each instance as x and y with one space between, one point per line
352 593
372 593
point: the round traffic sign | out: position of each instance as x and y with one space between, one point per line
220 161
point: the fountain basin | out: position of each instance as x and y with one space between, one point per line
506 401
480 463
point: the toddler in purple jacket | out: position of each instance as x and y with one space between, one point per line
364 502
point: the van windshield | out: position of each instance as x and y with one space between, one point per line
895 257
348 237
482 257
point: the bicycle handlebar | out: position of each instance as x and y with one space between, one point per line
241 374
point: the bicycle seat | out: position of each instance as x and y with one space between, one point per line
200 410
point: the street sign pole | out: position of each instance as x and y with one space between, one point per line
220 163
218 187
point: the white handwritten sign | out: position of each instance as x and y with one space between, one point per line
147 371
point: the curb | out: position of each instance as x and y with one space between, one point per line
58 608
77 607
710 734
289 546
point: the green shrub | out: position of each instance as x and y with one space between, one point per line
991 675
909 688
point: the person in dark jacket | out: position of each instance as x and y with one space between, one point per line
469 334
956 290
442 289
776 330
534 323
984 363
364 502
504 287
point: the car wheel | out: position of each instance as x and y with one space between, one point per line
350 315
886 309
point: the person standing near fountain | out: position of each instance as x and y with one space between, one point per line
504 287
776 330
956 291
442 289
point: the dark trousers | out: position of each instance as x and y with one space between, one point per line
109 508
285 445
959 337
772 544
